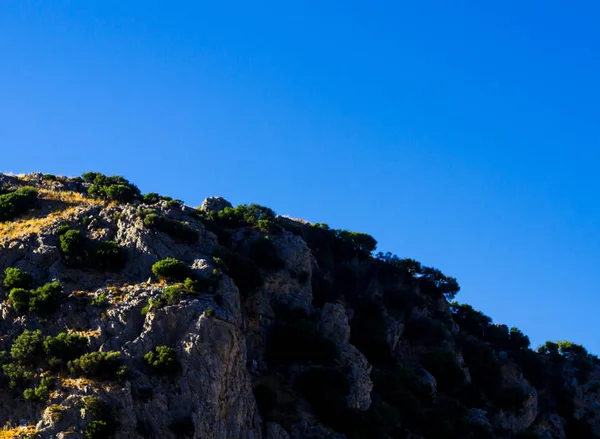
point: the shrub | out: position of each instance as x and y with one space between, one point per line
97 364
244 271
27 347
94 406
176 229
518 340
45 299
17 374
360 242
77 249
162 359
253 215
19 299
41 392
150 198
209 312
151 305
97 429
172 294
16 203
17 278
49 177
264 253
190 285
431 280
100 300
114 188
170 269
107 255
72 246
473 322
65 346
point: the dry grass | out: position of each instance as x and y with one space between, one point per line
78 383
63 205
92 333
16 432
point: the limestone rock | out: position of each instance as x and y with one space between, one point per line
334 323
214 204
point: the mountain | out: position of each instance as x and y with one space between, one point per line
132 315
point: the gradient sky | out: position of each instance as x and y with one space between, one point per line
459 134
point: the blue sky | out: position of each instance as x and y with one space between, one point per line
459 134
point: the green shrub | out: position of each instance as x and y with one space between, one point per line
209 312
17 278
98 429
151 305
17 374
16 203
78 250
176 229
162 359
244 271
41 392
253 215
170 269
172 294
106 255
114 188
45 299
190 285
27 347
97 364
518 340
264 253
72 246
19 299
473 322
49 177
360 242
431 281
100 300
150 198
94 407
65 346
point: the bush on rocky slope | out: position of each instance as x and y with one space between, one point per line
16 203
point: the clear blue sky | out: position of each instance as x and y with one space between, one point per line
464 136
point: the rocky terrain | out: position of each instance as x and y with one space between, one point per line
134 316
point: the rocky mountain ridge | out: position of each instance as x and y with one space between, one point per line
128 315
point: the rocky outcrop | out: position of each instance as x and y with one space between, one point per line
229 381
334 323
214 204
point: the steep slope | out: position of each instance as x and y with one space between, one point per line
127 315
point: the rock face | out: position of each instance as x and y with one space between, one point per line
304 335
214 204
334 323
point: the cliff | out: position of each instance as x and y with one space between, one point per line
127 315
